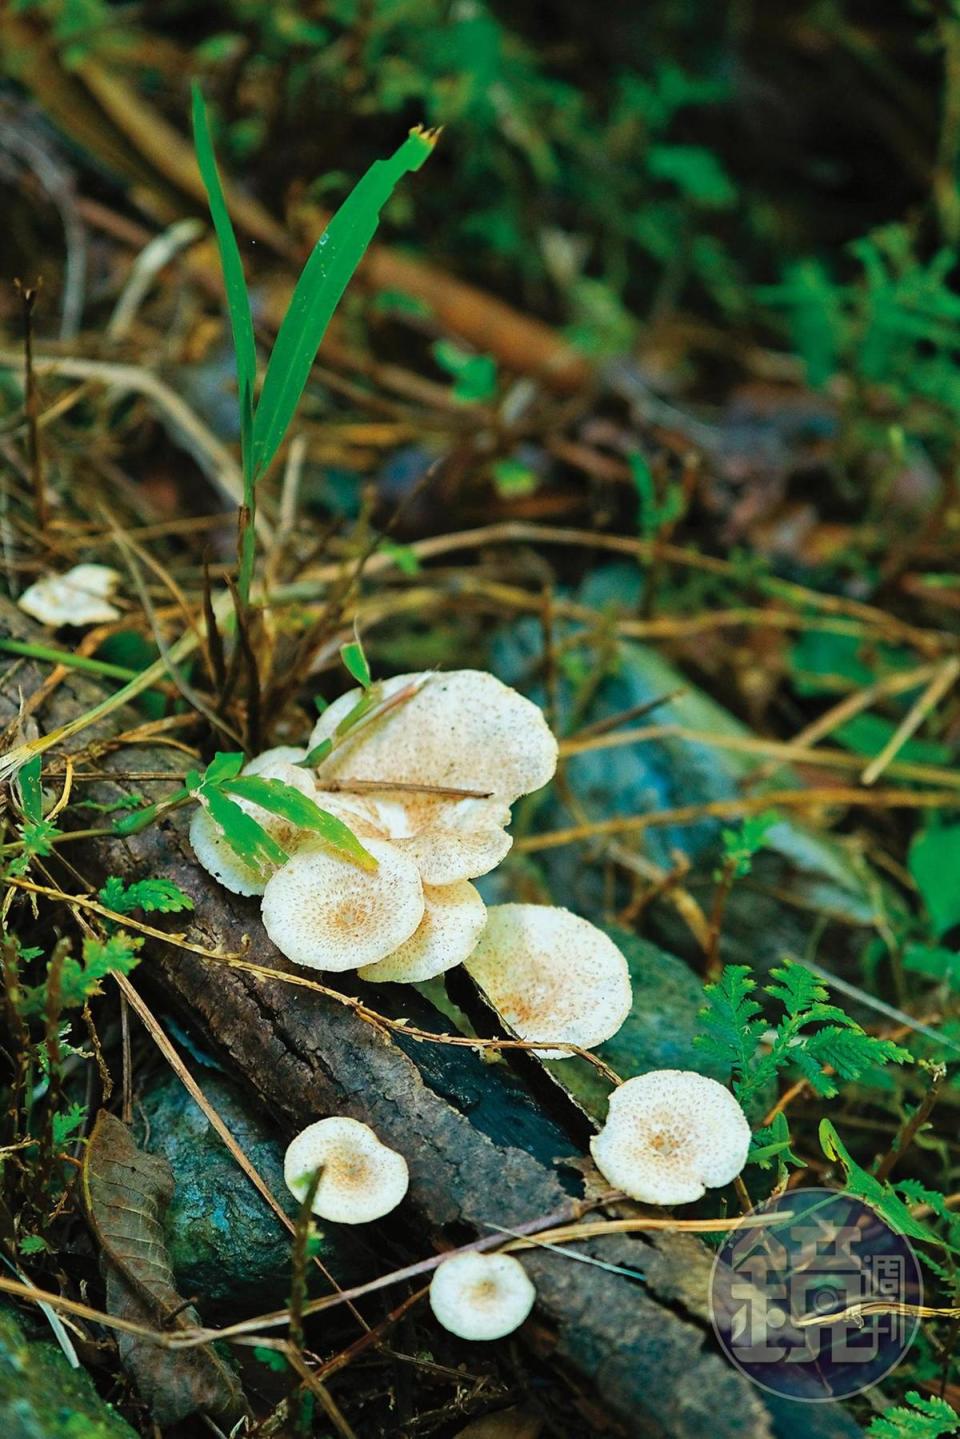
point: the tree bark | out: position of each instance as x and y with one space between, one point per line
481 1151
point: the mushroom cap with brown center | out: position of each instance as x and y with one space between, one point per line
210 845
453 920
324 911
551 976
361 1178
464 729
670 1135
481 1296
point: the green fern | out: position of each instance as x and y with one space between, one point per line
811 1036
929 1418
159 896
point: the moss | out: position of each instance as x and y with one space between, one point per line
42 1397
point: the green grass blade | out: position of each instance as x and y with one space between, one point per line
235 285
324 278
289 803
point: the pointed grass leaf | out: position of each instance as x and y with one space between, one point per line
319 288
355 662
31 793
299 809
243 834
235 285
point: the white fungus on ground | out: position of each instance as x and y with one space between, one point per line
360 1177
551 976
79 597
481 1296
211 847
323 911
453 920
670 1135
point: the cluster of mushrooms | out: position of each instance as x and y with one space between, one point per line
427 787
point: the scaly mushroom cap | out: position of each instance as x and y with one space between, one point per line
670 1135
447 839
361 1178
453 920
79 597
463 730
209 844
481 1296
323 911
551 976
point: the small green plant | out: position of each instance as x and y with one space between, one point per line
264 422
925 1418
812 1036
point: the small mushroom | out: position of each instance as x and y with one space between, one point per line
551 976
481 1296
210 845
79 597
670 1135
323 911
361 1178
453 920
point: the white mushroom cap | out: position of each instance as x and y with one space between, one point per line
551 975
481 1296
453 920
447 839
670 1135
79 597
264 763
464 730
323 911
209 844
361 1178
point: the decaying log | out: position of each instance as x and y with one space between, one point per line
479 1150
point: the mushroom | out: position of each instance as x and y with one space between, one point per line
453 920
323 911
670 1135
210 845
361 1178
448 839
551 976
79 597
481 1296
464 730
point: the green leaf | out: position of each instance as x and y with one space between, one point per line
863 1185
33 1244
935 865
355 662
474 376
66 1124
927 1418
797 988
235 285
300 809
31 793
160 896
322 282
243 834
222 767
316 755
